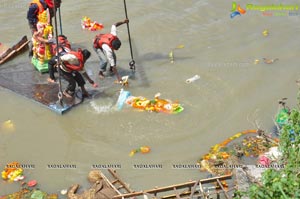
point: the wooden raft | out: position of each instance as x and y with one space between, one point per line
22 45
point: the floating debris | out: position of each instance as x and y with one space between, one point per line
12 172
32 183
269 61
64 191
155 105
142 149
92 26
192 79
171 56
222 158
124 81
8 126
241 10
256 61
265 33
171 53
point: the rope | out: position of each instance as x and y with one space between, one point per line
132 62
59 95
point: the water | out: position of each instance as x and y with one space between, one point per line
232 95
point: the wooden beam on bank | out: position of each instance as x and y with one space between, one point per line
176 186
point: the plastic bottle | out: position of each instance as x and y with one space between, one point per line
192 79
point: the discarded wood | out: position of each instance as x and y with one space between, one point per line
201 190
194 189
171 188
220 184
111 185
9 53
118 179
176 193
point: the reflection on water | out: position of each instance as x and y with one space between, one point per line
216 106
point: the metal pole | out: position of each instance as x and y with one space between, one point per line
132 62
60 24
60 96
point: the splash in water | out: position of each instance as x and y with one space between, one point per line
101 108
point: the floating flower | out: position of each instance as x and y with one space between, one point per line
142 149
86 23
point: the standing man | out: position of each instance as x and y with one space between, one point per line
105 46
52 11
36 7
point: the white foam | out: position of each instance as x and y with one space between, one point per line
101 108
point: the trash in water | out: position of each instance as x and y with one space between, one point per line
270 61
265 33
64 191
256 61
122 98
171 53
12 172
31 194
86 23
171 56
32 183
124 81
142 149
192 79
8 125
155 105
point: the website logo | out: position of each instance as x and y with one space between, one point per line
236 10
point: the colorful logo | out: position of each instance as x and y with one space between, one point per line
236 10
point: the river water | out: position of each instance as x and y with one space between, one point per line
233 94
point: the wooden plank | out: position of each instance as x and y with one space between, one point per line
194 189
111 185
14 50
171 187
201 190
113 173
115 181
176 193
225 193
